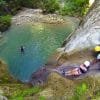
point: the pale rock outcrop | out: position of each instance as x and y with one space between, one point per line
35 15
88 34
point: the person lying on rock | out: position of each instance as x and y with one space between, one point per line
83 68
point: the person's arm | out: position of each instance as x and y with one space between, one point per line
72 72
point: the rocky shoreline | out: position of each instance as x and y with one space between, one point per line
35 15
32 16
27 15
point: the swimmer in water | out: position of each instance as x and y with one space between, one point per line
22 49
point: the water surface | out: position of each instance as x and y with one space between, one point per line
40 41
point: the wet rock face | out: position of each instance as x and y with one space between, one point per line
88 34
85 39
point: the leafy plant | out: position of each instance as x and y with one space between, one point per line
42 98
2 2
5 22
75 7
50 6
20 94
80 91
31 3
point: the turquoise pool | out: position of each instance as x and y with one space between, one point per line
40 41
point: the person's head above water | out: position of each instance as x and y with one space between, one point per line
87 63
22 49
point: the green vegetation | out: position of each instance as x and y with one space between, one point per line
9 7
18 91
88 88
42 98
80 91
5 22
75 7
31 3
20 94
70 7
50 6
